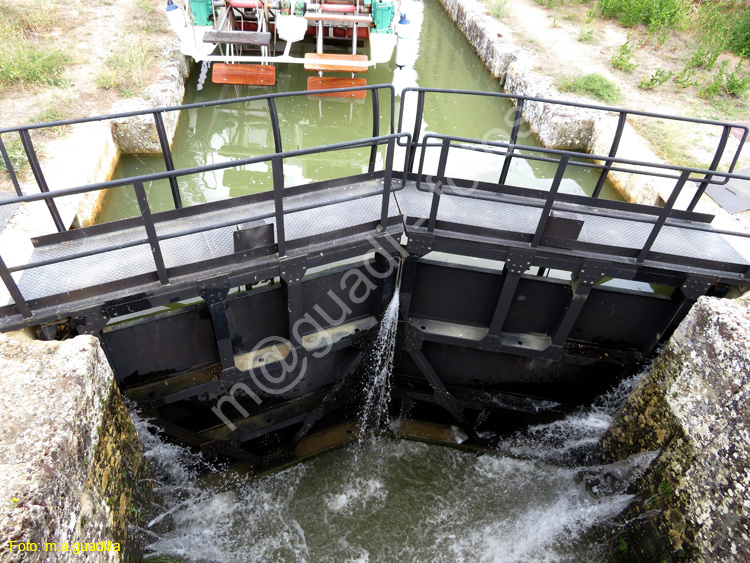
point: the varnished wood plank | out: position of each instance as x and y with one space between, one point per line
316 62
326 83
251 75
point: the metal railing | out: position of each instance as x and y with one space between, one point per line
724 127
660 217
157 115
152 238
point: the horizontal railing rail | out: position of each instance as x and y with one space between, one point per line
154 239
157 115
522 101
441 184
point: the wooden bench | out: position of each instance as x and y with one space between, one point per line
326 83
257 38
317 62
244 74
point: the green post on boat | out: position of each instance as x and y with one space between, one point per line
201 10
383 12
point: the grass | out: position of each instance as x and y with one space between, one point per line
591 85
26 56
623 58
585 35
658 15
16 155
668 141
498 8
124 70
145 19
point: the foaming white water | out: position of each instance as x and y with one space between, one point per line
393 500
572 438
379 367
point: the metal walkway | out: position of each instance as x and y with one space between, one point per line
73 270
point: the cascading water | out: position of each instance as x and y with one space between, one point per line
395 500
379 367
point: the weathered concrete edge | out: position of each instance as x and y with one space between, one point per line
72 469
556 127
692 406
95 150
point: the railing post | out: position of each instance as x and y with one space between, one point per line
612 152
9 167
417 128
714 165
665 212
517 118
15 293
278 200
153 240
387 182
36 168
439 183
167 155
550 200
275 128
375 128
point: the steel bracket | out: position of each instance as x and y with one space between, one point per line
413 338
591 272
696 286
214 291
91 321
518 261
420 244
292 269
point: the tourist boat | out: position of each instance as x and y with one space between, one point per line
246 38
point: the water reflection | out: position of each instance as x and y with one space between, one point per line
439 57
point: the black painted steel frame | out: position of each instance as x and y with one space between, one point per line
277 159
548 200
522 101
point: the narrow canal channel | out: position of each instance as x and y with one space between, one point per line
380 499
443 59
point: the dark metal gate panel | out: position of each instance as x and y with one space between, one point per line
453 294
161 345
624 319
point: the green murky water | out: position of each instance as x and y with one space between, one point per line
439 57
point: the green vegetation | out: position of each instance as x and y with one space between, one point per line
592 85
145 19
658 15
585 35
125 69
498 8
623 58
26 59
668 140
659 77
665 489
16 155
622 546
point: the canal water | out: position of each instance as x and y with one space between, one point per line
382 499
438 56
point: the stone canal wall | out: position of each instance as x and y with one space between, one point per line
72 472
693 406
556 127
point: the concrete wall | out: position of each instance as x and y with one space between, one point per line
71 465
693 406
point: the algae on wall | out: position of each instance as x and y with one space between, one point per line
694 406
